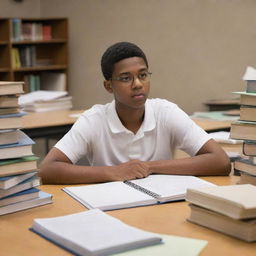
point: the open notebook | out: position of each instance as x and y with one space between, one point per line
153 189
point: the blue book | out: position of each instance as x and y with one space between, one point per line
10 181
20 196
11 121
20 149
42 199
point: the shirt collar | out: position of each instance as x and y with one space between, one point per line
116 126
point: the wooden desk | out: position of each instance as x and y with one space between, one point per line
168 218
213 125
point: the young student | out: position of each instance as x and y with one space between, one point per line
132 136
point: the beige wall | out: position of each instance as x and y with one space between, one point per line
197 49
28 8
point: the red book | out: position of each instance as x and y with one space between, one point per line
47 32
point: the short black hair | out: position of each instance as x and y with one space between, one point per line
118 52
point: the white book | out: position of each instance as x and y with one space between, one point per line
93 232
153 189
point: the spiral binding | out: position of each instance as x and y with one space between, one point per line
144 190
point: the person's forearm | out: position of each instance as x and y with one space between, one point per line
67 173
205 164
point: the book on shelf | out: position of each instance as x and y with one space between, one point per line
93 232
247 178
242 229
9 136
19 197
235 201
9 101
243 130
248 113
20 149
18 165
16 29
247 98
11 121
10 181
8 88
245 165
249 148
15 55
42 199
26 184
151 190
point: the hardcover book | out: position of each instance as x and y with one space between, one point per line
249 148
247 98
11 121
243 130
9 136
93 232
9 101
245 165
235 201
8 88
248 113
153 189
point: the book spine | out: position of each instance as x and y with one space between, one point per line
144 190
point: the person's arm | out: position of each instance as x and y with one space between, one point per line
56 168
211 159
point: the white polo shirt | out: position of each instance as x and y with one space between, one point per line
99 135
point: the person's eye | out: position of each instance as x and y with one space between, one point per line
125 78
143 75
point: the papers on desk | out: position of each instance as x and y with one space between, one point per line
215 115
224 137
43 101
250 74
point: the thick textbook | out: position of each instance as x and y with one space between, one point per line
249 148
11 121
20 149
93 232
243 130
248 113
245 165
9 136
242 229
8 88
235 201
18 165
247 98
151 190
42 199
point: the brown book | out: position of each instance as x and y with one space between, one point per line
235 201
246 178
245 165
247 98
7 88
249 148
8 101
8 136
242 229
243 130
248 113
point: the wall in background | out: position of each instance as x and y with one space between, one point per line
197 49
26 8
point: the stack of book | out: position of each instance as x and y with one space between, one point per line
245 129
227 209
18 165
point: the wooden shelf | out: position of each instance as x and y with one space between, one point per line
26 42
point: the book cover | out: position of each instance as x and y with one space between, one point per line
249 148
9 136
248 113
245 165
243 130
9 101
8 88
11 121
247 98
93 232
235 201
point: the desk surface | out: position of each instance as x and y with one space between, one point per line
58 118
168 218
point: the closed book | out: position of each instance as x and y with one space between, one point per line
235 201
249 148
26 184
20 149
243 130
153 189
42 199
19 197
242 229
246 178
8 101
18 165
245 165
251 86
248 113
93 232
7 111
11 121
9 136
10 181
8 88
247 98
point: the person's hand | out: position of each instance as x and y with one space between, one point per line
131 170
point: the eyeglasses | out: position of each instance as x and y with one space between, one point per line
128 79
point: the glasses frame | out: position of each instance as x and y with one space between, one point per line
119 79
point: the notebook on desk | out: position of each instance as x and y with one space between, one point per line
151 190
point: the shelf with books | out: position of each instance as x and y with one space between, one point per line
33 45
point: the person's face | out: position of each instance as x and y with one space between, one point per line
128 83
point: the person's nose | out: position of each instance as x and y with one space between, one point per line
136 83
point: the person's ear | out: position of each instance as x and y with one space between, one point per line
108 86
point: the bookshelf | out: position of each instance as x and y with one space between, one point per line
32 47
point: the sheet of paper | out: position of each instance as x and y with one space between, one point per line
250 74
172 246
